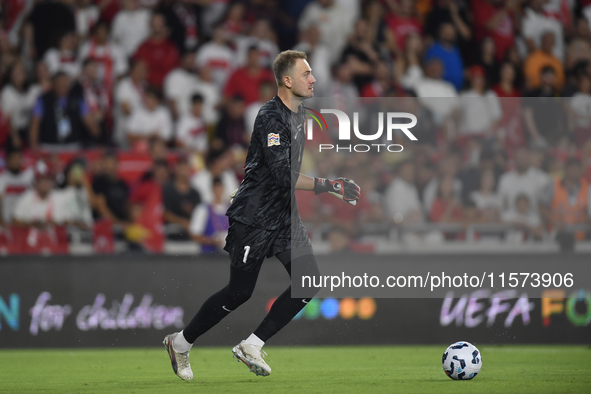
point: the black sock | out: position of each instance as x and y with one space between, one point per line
285 308
219 305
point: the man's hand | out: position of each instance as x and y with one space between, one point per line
342 188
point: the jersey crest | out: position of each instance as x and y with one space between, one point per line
273 139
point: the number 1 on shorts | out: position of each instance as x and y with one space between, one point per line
246 251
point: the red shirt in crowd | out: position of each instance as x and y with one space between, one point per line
483 11
247 85
161 56
402 28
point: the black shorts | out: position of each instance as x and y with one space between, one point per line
249 246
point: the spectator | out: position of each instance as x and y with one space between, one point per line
540 59
480 110
72 202
403 22
96 96
578 112
14 181
448 169
333 19
209 223
128 99
181 19
180 84
63 58
566 200
152 121
361 54
234 23
510 131
514 58
318 57
49 20
408 65
536 22
342 88
131 26
59 118
262 37
446 49
488 61
542 111
87 14
382 83
160 55
246 81
34 207
17 100
150 183
219 163
447 207
402 203
495 19
456 13
110 58
526 220
217 55
180 199
266 93
212 96
111 194
486 199
524 179
191 132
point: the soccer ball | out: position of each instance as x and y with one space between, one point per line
461 361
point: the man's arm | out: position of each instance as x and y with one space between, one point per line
305 182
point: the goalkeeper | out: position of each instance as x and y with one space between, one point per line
264 219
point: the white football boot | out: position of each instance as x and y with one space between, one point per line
179 361
252 357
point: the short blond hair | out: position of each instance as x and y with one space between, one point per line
284 63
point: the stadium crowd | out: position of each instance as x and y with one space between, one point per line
91 88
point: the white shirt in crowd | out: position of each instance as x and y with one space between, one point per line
401 199
31 208
145 123
220 59
191 131
180 85
64 62
211 98
478 113
580 104
487 201
335 23
86 18
128 92
19 104
131 28
530 219
268 50
534 25
110 51
439 96
12 188
71 206
531 183
203 180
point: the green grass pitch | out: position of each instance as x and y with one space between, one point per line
341 369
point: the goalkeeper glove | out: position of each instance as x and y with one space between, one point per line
342 188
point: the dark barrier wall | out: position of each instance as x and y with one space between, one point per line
136 300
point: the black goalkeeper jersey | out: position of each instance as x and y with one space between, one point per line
266 197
